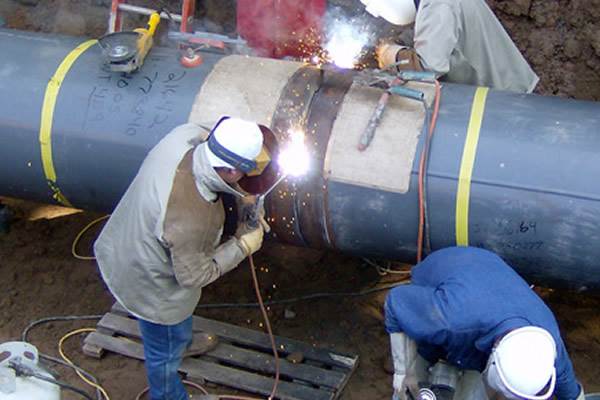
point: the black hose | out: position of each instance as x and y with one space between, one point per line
62 384
301 298
53 319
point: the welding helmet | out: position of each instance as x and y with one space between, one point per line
397 12
521 365
237 144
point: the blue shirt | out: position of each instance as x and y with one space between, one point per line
461 300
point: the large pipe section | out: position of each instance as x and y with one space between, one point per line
524 185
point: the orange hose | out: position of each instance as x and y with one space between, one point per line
422 163
268 325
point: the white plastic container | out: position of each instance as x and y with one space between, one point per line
14 387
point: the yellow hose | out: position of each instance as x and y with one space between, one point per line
64 357
78 238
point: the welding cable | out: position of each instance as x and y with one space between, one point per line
268 325
74 367
56 319
64 357
20 370
423 164
79 370
62 384
80 234
383 271
425 244
298 299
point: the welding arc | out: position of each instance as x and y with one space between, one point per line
423 163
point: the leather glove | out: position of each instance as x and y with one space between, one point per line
252 241
404 355
248 205
402 57
386 54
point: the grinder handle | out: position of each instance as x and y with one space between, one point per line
153 23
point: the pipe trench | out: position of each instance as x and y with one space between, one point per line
513 173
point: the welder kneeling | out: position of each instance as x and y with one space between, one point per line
469 327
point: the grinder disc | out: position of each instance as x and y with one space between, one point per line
119 46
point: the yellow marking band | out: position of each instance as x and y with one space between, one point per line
48 115
466 167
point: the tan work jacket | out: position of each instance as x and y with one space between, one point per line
464 41
160 246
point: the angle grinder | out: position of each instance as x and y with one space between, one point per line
125 51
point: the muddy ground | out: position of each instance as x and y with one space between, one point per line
40 278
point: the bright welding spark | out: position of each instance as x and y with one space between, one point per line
345 43
294 159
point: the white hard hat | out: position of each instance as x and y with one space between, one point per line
522 364
397 12
234 143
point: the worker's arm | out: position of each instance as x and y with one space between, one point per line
437 31
567 387
196 269
414 310
413 321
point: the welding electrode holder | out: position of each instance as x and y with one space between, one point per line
253 214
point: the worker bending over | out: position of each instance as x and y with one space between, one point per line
161 245
467 307
461 40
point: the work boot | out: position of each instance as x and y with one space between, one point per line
202 343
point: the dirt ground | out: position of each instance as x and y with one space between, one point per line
40 278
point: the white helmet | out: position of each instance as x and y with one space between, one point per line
397 12
234 143
522 364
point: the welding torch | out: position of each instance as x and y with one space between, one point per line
252 215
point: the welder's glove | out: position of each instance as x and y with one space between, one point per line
251 241
246 206
404 355
386 54
401 57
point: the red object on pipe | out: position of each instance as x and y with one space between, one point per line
280 28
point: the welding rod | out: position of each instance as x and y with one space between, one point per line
367 136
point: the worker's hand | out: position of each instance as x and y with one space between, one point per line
249 207
400 389
408 60
386 54
252 241
401 57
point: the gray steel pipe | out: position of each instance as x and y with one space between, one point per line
533 195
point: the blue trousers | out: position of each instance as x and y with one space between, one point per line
164 346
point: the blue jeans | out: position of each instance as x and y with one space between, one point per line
164 346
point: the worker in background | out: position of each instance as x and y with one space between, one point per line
460 40
162 244
467 307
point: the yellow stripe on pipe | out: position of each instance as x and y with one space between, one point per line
52 90
466 167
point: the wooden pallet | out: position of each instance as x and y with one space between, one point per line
242 360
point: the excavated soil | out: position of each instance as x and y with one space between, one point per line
40 278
